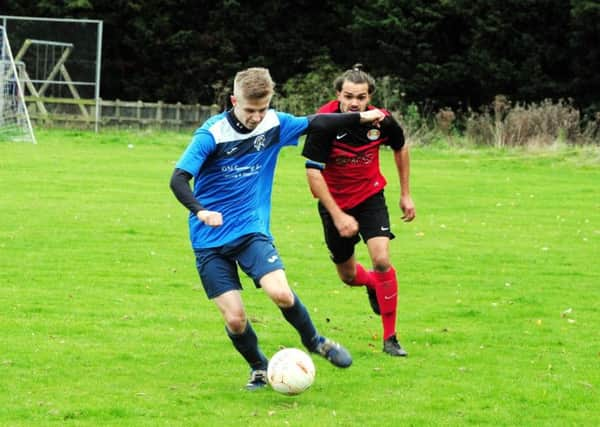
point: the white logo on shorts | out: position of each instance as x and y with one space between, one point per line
273 259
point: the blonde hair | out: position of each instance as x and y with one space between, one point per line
253 83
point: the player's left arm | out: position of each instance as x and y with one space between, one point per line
402 159
407 205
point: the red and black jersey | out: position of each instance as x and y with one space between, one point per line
351 156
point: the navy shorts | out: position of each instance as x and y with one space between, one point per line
373 221
254 253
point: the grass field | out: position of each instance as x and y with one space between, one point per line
104 322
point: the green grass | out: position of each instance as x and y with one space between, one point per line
104 322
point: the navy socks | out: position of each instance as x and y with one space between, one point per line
246 344
298 317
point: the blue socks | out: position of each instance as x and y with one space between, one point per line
298 317
246 344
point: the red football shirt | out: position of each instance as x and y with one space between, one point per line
351 157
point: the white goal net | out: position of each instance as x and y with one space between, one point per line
15 124
61 68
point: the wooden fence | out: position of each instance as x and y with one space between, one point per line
81 113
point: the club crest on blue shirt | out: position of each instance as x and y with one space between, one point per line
373 134
259 142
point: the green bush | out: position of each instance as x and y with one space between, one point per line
303 94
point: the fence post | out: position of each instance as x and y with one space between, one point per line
159 114
139 114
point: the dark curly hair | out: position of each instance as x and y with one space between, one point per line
355 75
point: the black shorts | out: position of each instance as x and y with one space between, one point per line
373 221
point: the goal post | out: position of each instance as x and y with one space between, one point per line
62 67
15 123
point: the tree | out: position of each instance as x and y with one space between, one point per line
440 52
584 47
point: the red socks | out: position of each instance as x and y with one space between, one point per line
362 278
386 288
387 297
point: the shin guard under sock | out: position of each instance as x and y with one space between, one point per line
246 344
298 317
387 297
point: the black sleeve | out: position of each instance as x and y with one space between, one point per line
180 186
317 146
330 122
394 132
321 132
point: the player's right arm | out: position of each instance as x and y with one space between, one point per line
346 224
321 130
180 185
317 148
190 163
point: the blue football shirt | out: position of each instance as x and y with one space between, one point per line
233 174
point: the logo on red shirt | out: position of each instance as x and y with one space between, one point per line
373 134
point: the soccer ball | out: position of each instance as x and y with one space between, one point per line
291 371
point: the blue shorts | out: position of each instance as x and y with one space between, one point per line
254 253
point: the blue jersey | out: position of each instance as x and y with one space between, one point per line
233 174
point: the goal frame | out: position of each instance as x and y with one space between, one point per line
5 20
6 55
